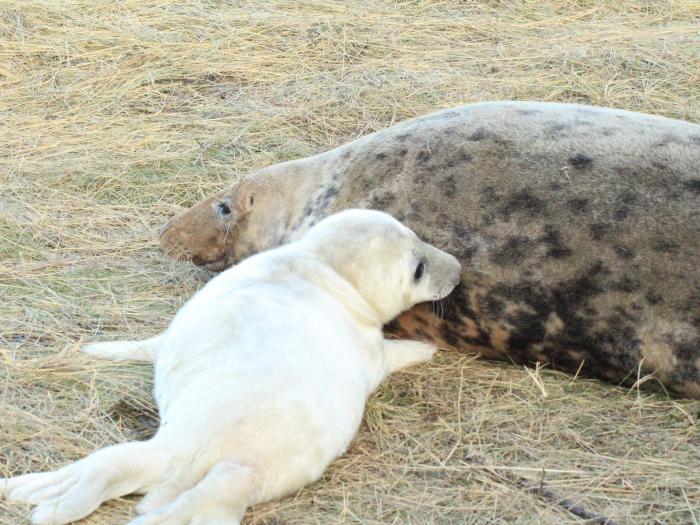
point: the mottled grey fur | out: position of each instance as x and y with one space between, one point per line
578 229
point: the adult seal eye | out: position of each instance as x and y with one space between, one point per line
224 209
420 269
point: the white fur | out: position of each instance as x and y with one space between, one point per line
261 378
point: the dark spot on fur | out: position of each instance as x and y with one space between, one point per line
402 152
462 233
492 306
450 336
402 136
528 111
580 161
628 197
381 200
626 172
457 309
308 211
564 360
459 306
692 185
688 351
609 132
423 176
479 135
578 204
451 162
448 114
423 156
455 159
330 193
514 251
552 239
463 244
488 220
420 320
523 202
559 126
622 213
423 335
528 329
489 192
321 201
449 186
692 304
666 246
624 252
380 156
625 284
598 230
652 297
393 327
556 186
672 139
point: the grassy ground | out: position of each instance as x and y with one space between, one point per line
116 115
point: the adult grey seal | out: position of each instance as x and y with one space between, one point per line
578 230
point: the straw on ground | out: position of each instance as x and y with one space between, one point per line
118 114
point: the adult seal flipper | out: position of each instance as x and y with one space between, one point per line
578 230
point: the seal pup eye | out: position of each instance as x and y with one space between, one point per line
420 270
224 209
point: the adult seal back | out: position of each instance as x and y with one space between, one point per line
577 227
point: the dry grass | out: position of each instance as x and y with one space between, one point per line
118 114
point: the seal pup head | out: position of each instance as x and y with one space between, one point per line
206 233
390 267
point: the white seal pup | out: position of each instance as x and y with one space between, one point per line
578 230
261 378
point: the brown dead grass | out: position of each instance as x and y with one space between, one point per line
118 114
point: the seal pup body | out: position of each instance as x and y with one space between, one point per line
578 230
261 378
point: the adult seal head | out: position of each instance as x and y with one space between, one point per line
577 228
